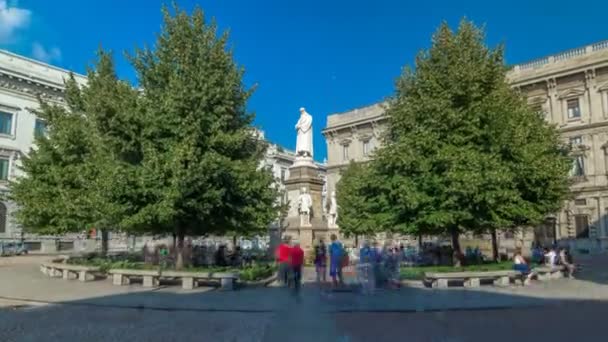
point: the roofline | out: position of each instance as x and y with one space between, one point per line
40 63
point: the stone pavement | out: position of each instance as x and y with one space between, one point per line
38 308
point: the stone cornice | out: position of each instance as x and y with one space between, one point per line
25 88
572 92
348 125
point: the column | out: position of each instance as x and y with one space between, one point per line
601 209
555 112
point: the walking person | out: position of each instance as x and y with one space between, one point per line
336 254
321 262
282 255
296 260
365 270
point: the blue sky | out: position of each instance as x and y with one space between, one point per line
326 55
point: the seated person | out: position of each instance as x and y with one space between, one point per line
520 264
566 260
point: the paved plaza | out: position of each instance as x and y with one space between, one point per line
36 308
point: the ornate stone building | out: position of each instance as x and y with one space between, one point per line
22 80
571 89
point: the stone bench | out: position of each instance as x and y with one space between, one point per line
66 271
471 279
549 272
124 277
190 279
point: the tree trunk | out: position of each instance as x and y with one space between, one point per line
174 241
234 242
179 262
356 241
420 241
457 259
104 242
494 245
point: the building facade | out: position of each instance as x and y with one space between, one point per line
22 81
571 89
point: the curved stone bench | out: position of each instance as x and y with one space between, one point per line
549 272
471 279
124 277
67 271
190 279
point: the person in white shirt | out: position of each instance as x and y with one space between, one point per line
550 257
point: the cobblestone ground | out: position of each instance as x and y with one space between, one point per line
36 308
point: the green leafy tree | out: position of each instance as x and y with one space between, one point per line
463 150
363 208
60 190
200 168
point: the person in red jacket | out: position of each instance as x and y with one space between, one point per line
296 262
282 255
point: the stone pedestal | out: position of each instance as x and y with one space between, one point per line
305 174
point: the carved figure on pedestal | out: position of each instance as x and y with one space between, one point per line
333 210
304 207
304 131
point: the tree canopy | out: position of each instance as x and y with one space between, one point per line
463 151
177 154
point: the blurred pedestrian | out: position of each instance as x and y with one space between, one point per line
336 255
321 262
282 256
296 260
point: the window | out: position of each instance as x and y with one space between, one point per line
574 110
40 128
283 174
4 163
578 140
345 152
581 223
366 148
580 201
6 123
578 167
2 218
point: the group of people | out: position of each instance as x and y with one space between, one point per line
551 257
290 260
375 266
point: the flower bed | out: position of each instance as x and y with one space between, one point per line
249 273
417 273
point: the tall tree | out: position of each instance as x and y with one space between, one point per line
463 150
200 169
60 190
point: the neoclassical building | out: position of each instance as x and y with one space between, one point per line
571 89
22 81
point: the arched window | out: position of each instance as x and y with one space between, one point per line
2 218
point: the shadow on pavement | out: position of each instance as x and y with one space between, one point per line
557 308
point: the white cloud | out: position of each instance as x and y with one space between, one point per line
42 54
12 19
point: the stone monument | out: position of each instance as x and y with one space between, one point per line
305 218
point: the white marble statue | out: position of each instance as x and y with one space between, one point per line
304 206
304 131
333 210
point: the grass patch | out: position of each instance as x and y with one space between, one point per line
417 272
